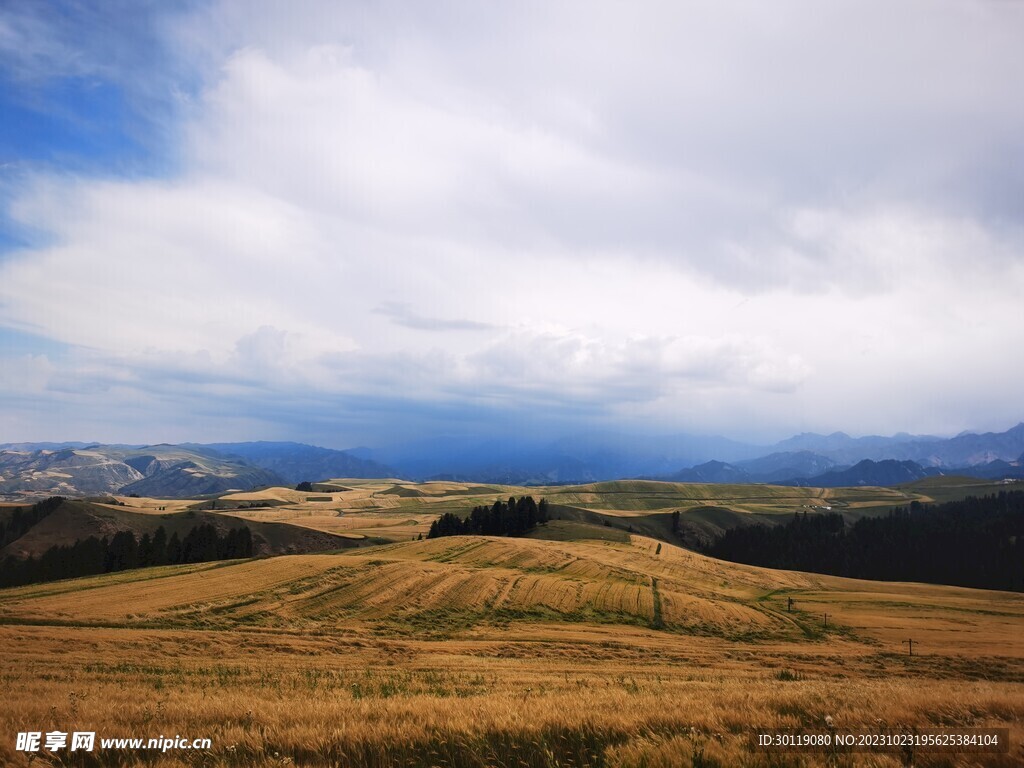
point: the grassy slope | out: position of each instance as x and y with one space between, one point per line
76 520
474 651
953 488
366 511
400 511
449 586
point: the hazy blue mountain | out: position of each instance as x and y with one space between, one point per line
462 457
843 449
711 472
610 455
868 472
627 455
575 458
966 449
969 449
29 447
505 462
773 468
994 470
551 471
787 465
361 452
77 469
297 462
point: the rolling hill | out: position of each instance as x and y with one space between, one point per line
477 651
451 586
401 510
74 520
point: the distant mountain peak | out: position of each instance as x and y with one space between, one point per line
711 472
869 472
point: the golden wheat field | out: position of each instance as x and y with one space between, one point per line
474 651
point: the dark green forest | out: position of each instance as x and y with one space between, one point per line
511 518
22 519
90 556
976 542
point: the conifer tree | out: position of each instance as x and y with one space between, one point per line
160 546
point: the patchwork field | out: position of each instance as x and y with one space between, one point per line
473 651
395 510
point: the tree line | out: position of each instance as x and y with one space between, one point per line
976 542
21 519
511 518
87 557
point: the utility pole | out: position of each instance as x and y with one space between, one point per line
826 621
789 607
909 644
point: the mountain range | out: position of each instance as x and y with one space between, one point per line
607 455
168 471
864 472
29 470
964 450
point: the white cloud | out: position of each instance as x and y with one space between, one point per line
655 212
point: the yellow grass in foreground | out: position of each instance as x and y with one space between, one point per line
474 651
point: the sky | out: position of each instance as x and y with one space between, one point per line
359 223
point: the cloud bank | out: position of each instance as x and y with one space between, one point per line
385 221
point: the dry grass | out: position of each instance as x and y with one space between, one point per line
473 651
153 506
399 511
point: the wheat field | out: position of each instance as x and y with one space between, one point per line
473 651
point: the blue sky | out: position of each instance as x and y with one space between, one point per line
355 223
